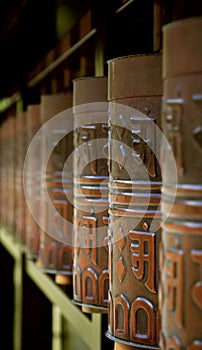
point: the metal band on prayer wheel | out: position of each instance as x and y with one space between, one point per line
134 196
182 231
56 256
33 182
90 268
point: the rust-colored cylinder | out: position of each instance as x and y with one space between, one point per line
134 93
4 172
55 255
10 151
182 231
7 172
32 178
90 268
20 202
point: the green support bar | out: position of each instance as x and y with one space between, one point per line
18 300
76 325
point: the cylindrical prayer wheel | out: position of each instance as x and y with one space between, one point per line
55 254
10 151
134 93
90 268
7 171
4 172
181 255
32 178
20 202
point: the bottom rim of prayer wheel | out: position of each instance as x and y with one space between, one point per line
121 344
92 309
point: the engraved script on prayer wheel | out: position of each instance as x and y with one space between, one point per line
90 268
181 255
56 256
134 196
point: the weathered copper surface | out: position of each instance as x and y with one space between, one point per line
134 315
4 172
20 203
182 231
56 256
7 172
90 272
33 182
10 190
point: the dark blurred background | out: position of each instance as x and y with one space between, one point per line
29 28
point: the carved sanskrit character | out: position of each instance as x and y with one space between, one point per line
197 288
173 117
143 251
86 134
142 320
174 283
88 230
143 133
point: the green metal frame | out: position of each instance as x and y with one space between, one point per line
89 331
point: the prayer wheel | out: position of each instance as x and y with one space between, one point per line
181 254
90 267
134 93
55 254
10 142
4 173
21 149
32 178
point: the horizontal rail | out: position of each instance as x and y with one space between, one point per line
60 59
9 242
7 102
121 8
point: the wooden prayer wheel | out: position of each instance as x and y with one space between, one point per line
90 268
55 255
20 202
32 178
181 254
134 93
